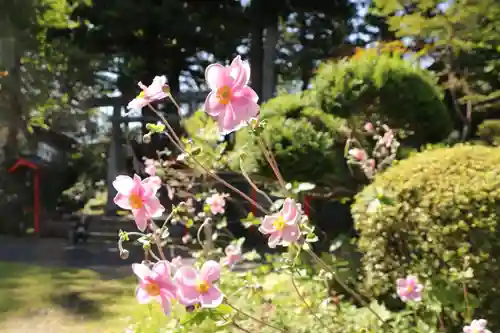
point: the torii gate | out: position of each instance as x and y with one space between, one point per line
115 158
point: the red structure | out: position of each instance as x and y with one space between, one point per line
307 205
36 189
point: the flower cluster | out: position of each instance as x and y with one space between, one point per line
234 105
384 151
188 286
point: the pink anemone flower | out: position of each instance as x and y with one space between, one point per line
158 90
197 287
477 326
155 284
217 203
233 256
140 197
283 227
358 154
231 100
150 167
409 289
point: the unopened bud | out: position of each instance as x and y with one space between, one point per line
146 138
124 254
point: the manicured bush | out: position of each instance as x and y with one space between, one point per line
306 142
489 131
387 88
443 222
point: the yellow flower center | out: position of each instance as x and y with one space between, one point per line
224 94
153 289
279 223
141 95
135 201
202 287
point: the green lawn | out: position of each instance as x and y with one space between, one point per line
37 299
57 300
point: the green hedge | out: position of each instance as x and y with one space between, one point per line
297 133
387 88
444 221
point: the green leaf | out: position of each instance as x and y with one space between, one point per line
224 309
304 187
311 238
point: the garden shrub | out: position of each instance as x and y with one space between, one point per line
386 88
306 142
442 223
489 131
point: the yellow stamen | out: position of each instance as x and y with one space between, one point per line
135 201
202 287
224 94
152 289
279 223
141 95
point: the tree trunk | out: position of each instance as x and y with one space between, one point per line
269 68
305 61
256 51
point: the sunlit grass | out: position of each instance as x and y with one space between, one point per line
43 299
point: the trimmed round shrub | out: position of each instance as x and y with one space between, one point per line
444 220
489 131
386 88
306 142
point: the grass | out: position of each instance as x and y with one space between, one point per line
36 299
60 300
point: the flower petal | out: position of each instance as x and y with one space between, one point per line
152 183
141 218
217 76
267 225
274 239
291 233
162 268
246 92
153 207
212 105
122 201
186 275
142 271
290 211
401 283
244 109
240 71
137 103
210 271
228 122
142 295
212 298
124 184
165 303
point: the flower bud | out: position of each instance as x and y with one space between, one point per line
146 138
124 254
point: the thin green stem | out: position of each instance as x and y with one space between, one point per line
342 284
272 162
177 143
311 310
252 184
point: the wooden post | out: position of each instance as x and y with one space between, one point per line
115 157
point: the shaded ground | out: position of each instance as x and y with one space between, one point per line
101 257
